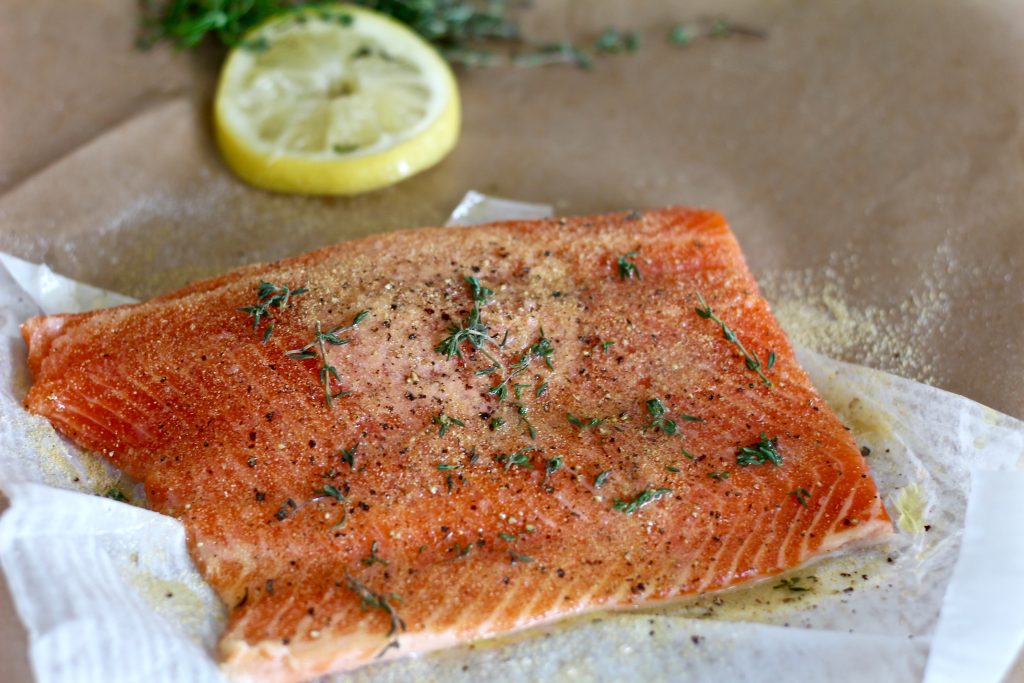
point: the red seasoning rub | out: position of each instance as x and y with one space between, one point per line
425 437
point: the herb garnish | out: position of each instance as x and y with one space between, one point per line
643 498
764 451
628 269
114 493
657 410
269 296
497 423
446 423
328 373
751 359
583 423
613 41
688 455
519 458
605 345
552 465
472 329
719 475
507 537
373 558
381 601
801 494
348 455
601 478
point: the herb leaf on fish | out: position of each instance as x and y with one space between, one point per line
269 296
750 359
761 453
643 498
318 349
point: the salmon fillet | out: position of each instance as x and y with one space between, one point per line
421 438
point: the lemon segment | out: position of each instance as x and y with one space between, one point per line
334 100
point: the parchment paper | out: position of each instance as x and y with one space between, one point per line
99 582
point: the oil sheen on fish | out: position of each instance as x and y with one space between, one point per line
421 438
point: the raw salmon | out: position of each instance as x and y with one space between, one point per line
421 438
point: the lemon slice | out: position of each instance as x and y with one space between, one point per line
334 99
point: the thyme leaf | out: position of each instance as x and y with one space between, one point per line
643 498
383 601
627 268
269 296
763 452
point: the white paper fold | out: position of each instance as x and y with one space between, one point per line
942 601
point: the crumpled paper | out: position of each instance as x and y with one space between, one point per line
108 592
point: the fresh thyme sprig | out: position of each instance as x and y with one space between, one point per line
659 421
751 359
328 373
382 601
643 498
472 329
451 25
761 453
446 422
268 296
601 478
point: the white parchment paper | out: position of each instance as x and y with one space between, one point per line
108 592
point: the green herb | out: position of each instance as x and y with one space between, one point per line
715 28
451 25
770 363
331 492
688 455
486 371
801 494
518 390
382 601
643 498
605 345
472 329
446 423
628 269
328 373
462 551
671 468
682 34
719 475
541 349
583 423
764 451
348 455
444 467
657 410
114 493
497 423
601 478
613 41
542 389
562 52
552 465
792 584
373 557
269 296
751 359
519 458
516 557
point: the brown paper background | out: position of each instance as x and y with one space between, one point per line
869 155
